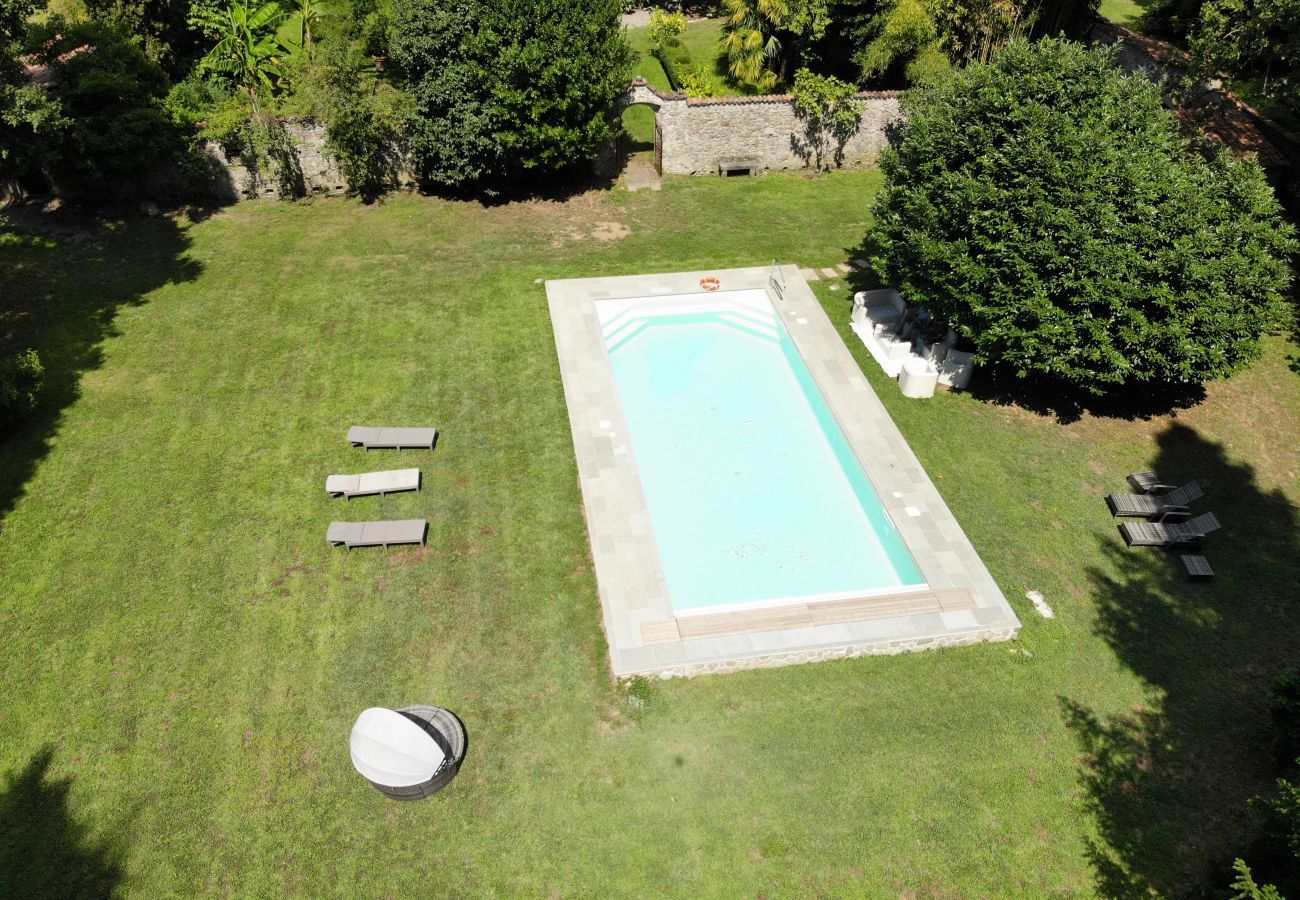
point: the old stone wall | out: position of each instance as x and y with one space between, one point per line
315 171
698 135
312 171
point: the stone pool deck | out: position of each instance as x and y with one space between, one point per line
961 605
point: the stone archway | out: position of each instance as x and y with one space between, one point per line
641 132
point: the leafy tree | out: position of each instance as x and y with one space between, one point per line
919 39
825 106
118 130
247 51
902 32
162 26
1252 38
1049 209
29 116
506 91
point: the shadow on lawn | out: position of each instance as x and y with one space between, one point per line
1169 783
63 276
44 851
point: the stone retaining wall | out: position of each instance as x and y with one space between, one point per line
695 135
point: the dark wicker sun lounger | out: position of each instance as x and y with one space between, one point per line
1148 483
1152 505
377 534
393 438
1159 534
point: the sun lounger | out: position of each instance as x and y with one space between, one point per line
393 438
1148 483
1159 534
370 483
377 534
1154 505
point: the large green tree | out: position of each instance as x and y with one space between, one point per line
1258 39
161 26
1048 207
508 92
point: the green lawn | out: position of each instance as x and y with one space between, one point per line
1122 12
183 654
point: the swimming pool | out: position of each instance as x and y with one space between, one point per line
755 496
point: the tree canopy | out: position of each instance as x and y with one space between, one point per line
1048 207
506 89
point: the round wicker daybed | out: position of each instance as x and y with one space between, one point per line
410 753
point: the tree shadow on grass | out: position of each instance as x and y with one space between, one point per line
63 277
1001 386
1168 782
44 851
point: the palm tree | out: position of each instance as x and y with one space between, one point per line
247 50
750 42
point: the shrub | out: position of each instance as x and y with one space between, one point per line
1049 209
21 377
511 91
696 82
677 64
192 101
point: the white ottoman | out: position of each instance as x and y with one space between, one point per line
918 378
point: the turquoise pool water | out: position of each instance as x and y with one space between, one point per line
755 495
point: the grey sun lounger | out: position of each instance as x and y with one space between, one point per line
1159 534
393 438
1148 483
1151 505
370 483
377 534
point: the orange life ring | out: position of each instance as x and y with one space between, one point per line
709 283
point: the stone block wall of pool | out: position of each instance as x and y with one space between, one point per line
749 501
